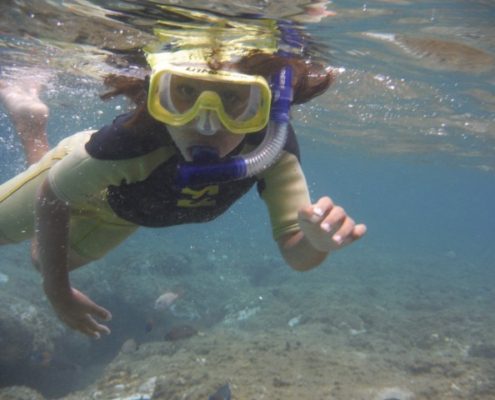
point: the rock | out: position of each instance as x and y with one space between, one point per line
180 332
25 329
20 393
394 393
483 350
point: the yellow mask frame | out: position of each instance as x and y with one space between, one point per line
207 100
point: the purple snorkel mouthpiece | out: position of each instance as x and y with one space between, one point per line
208 167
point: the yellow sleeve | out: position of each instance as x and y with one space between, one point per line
284 190
78 176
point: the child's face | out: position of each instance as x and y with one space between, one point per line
184 93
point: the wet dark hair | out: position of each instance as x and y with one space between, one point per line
310 79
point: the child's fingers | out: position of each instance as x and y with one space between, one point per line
315 213
322 206
90 327
349 232
90 306
334 219
359 231
97 329
101 312
343 233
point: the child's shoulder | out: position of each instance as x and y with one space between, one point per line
123 139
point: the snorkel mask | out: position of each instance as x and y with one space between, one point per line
240 102
182 57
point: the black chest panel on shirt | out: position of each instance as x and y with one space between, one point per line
119 142
156 201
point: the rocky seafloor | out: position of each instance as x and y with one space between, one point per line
377 327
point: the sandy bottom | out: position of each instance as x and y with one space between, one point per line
306 363
366 330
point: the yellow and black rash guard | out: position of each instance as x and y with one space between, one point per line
135 172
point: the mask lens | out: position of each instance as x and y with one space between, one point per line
235 99
183 93
179 94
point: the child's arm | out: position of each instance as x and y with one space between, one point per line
51 246
324 227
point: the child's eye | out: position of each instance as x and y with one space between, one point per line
186 91
230 97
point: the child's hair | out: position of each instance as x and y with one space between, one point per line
310 79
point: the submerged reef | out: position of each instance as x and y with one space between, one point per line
357 330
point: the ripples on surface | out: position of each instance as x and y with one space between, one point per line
413 77
416 78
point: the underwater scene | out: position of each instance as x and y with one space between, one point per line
403 140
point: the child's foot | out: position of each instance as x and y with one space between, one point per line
28 114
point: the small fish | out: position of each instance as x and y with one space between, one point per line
129 346
165 300
42 358
148 326
223 393
3 278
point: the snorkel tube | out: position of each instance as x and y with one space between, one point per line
208 168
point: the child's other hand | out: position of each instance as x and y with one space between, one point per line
327 226
79 312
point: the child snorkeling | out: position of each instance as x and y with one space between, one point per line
207 126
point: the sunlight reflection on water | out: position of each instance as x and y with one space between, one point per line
412 77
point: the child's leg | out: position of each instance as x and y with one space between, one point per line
28 114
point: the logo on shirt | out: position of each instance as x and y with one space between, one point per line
204 197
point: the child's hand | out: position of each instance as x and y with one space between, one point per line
78 311
327 227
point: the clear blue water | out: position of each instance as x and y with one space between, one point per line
404 140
